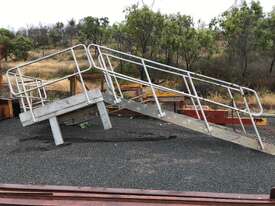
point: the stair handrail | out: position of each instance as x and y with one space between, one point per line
146 64
179 72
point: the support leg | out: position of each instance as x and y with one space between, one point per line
104 115
58 140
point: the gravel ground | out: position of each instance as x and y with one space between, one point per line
136 153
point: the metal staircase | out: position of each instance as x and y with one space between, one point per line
109 61
38 106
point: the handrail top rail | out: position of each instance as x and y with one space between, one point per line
10 71
168 66
44 57
210 80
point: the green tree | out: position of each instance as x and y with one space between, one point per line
56 34
20 47
180 35
39 36
93 30
266 36
119 35
71 30
5 39
240 27
144 27
170 38
121 39
5 35
188 39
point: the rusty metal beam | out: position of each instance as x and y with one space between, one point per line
67 195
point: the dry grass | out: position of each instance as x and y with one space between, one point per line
267 99
218 98
49 69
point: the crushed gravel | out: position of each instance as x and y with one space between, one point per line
135 153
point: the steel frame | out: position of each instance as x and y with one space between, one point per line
13 194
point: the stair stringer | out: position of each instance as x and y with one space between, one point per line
217 131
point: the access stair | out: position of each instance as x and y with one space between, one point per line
37 106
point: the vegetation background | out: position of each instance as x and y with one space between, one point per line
237 46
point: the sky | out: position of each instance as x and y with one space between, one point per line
15 14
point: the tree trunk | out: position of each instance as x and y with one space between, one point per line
168 56
271 65
244 66
142 73
121 66
177 57
71 40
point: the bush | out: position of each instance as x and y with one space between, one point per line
20 47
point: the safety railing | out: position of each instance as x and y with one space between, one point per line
32 91
105 59
36 96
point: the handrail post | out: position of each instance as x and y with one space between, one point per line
199 103
235 106
80 76
26 93
192 100
252 119
104 73
161 113
112 69
21 96
44 90
40 94
109 78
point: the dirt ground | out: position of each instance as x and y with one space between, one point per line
135 153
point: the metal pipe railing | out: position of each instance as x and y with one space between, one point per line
125 77
186 75
27 86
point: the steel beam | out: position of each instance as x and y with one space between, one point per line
68 195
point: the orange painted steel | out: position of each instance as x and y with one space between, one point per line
68 195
